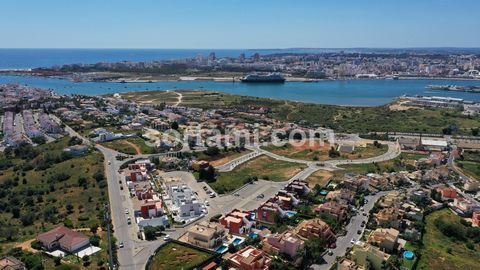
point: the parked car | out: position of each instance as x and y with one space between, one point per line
126 211
359 232
166 238
120 245
212 195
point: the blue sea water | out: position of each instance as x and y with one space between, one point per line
32 58
353 92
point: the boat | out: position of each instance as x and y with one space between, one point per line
460 88
273 77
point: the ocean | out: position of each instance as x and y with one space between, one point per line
353 92
350 92
31 58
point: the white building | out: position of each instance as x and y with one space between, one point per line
184 201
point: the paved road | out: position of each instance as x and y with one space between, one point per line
135 252
343 242
234 163
392 152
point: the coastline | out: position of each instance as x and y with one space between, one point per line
181 78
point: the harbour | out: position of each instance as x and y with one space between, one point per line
333 92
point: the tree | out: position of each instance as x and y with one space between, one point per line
69 208
95 240
333 153
8 231
212 151
15 212
232 248
174 125
207 174
150 233
99 176
82 182
94 228
58 261
27 219
313 250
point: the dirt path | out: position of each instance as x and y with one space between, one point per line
137 149
179 98
27 246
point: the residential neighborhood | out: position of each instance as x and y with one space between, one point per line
238 200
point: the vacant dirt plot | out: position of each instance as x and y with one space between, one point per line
320 177
262 167
308 150
313 150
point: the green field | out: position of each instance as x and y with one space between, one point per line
442 252
400 163
45 188
222 158
177 257
470 165
130 146
315 152
262 167
340 118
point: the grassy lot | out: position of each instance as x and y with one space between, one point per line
152 97
262 167
442 252
339 118
317 152
177 257
408 264
222 158
402 162
320 177
130 146
470 165
49 189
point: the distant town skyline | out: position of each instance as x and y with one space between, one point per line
215 24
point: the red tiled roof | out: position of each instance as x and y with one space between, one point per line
65 237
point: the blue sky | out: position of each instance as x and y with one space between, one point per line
238 24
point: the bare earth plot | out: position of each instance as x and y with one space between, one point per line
262 167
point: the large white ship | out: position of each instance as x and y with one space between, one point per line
273 77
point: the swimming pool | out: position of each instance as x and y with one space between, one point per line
221 249
253 235
407 254
323 192
290 213
237 240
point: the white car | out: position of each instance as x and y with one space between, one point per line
166 238
352 241
109 162
207 203
126 211
120 245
